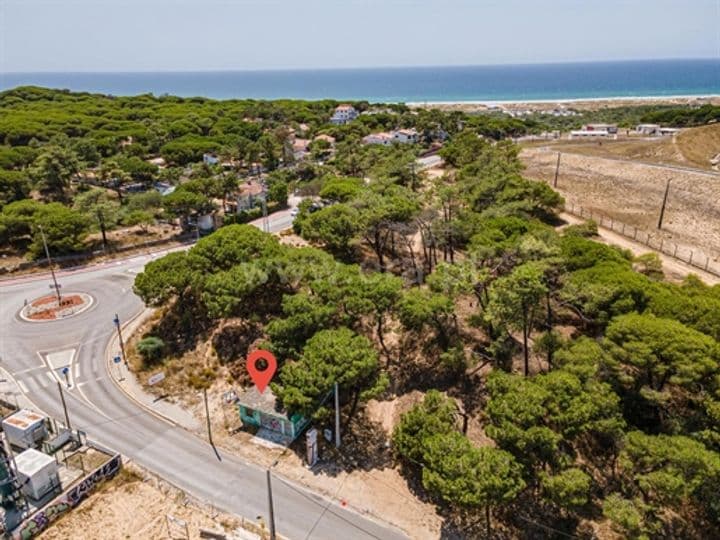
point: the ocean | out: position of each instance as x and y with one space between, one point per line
412 84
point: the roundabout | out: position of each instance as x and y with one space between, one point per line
50 308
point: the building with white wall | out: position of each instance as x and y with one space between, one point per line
343 114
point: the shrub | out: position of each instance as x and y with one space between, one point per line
151 348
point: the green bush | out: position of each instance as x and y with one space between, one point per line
151 348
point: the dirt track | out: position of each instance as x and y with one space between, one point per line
632 193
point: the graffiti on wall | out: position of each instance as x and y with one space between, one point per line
68 500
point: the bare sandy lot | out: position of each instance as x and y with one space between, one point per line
632 193
137 506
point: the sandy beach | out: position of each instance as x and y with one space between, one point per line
584 104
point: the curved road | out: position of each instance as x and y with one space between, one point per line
97 407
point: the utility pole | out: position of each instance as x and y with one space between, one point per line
207 416
116 320
271 511
266 223
62 398
557 171
101 219
49 261
337 417
662 208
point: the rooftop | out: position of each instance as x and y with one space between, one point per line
251 188
23 419
31 461
265 402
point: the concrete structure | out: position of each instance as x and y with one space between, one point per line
384 138
343 114
158 162
400 136
405 136
261 411
37 473
301 148
610 128
647 129
250 193
210 159
589 134
163 188
25 429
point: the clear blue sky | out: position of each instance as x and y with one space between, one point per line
183 35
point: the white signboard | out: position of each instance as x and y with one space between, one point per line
156 378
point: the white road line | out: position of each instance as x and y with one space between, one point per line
28 370
22 386
50 376
77 370
31 385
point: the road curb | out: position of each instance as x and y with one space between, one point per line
145 312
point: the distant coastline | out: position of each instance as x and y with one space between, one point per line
528 83
572 103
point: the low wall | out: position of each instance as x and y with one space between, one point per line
68 500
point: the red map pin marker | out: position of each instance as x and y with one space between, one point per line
261 377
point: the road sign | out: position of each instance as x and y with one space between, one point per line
117 359
328 434
65 370
156 378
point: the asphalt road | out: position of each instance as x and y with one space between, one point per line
104 412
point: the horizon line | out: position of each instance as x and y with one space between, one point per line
363 68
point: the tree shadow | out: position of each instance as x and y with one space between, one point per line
364 447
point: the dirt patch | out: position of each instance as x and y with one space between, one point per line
48 308
136 505
632 193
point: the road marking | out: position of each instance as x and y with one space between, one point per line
22 387
60 359
77 370
28 370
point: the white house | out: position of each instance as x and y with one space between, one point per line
343 114
386 139
405 136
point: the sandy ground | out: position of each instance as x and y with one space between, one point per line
674 270
378 492
632 193
576 104
136 505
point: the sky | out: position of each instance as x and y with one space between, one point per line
191 35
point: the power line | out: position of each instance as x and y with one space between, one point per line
328 508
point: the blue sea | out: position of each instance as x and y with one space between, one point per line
411 84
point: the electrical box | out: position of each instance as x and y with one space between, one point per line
37 473
25 429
